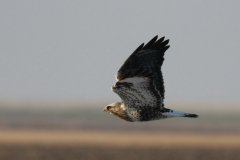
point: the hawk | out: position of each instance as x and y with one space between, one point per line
140 85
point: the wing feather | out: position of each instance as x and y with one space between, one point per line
146 61
138 93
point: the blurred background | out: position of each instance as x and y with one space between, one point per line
59 59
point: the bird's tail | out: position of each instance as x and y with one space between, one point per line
172 113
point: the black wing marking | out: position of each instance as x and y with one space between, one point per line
149 59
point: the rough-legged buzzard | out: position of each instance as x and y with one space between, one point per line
140 85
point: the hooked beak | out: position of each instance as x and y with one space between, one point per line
104 110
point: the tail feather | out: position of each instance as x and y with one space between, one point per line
191 115
172 113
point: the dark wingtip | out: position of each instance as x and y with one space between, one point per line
138 49
165 42
165 48
191 115
151 42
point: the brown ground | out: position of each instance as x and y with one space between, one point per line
71 145
72 152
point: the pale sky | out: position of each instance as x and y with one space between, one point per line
73 49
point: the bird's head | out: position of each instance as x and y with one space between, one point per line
117 110
113 107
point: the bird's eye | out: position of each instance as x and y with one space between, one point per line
108 107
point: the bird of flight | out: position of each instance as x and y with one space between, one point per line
140 85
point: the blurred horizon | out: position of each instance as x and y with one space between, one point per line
215 106
178 104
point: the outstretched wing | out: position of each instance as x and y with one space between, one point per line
144 62
149 58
